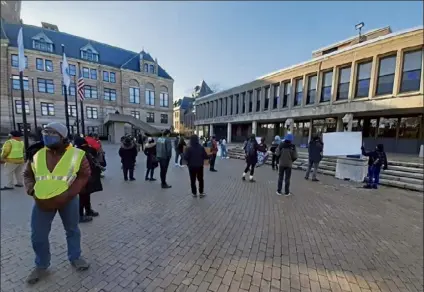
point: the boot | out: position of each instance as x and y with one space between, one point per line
85 218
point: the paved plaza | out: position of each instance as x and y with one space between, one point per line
330 236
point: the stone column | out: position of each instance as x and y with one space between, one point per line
310 130
339 127
229 133
254 126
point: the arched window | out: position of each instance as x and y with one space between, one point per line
164 97
134 91
150 94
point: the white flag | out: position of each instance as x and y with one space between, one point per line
65 72
21 51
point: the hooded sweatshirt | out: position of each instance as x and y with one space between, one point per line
195 155
286 152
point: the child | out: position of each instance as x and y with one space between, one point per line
376 160
128 153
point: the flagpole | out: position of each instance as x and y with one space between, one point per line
66 97
76 104
24 120
33 105
82 107
13 104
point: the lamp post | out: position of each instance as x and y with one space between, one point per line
33 105
359 27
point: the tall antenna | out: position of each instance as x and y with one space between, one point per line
359 27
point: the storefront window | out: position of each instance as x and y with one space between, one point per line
409 127
330 125
306 126
318 126
357 125
369 128
387 127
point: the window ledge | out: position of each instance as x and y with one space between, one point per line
340 101
360 99
409 93
385 96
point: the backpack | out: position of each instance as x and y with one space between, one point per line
250 148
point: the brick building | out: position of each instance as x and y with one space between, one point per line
375 84
134 84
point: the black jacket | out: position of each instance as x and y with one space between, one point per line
251 158
376 158
94 183
195 154
150 151
181 144
128 154
315 149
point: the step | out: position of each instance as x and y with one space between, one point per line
406 169
401 179
402 185
410 174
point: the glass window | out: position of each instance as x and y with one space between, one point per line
243 102
135 114
150 117
369 128
91 112
49 66
92 130
134 95
237 104
387 127
85 72
386 75
276 98
45 85
15 61
298 96
152 69
90 91
105 76
72 110
150 97
112 78
18 107
47 109
72 70
21 127
42 45
231 105
93 74
327 79
363 79
312 90
250 101
411 71
89 55
164 99
266 98
39 64
286 94
163 118
110 94
146 68
258 100
16 83
71 89
344 82
409 127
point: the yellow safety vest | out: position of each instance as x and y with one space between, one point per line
17 150
50 184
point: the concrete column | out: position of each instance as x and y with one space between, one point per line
229 133
310 130
373 80
339 127
254 126
211 130
219 107
398 72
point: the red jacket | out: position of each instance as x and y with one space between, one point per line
93 143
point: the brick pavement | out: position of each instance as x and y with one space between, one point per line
329 236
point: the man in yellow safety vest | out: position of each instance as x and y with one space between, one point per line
12 155
54 177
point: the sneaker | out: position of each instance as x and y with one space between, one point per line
6 189
85 219
152 179
80 264
36 275
243 177
367 186
287 194
213 170
251 179
92 213
278 193
202 195
166 186
315 179
146 179
132 179
194 195
306 177
19 185
375 187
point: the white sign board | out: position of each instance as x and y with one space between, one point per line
342 143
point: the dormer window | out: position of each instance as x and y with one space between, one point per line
89 53
151 69
146 68
42 43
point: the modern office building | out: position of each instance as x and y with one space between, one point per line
372 83
115 79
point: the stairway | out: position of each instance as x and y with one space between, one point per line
121 118
404 175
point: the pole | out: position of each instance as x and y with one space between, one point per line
13 104
65 89
33 105
81 107
24 120
76 106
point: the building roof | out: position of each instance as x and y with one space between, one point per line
184 103
108 55
202 89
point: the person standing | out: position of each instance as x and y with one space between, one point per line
224 149
128 153
54 177
195 155
250 149
377 160
164 154
180 150
177 153
94 183
214 152
287 154
315 149
274 145
12 155
151 161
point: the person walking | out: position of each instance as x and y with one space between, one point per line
151 161
214 152
377 160
164 154
262 153
54 177
315 149
128 153
195 155
177 153
250 149
180 150
274 145
224 149
12 156
94 183
287 154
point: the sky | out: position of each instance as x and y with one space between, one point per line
224 43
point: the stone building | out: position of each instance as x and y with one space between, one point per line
11 11
373 85
134 84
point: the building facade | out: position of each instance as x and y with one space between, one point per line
115 80
11 11
373 84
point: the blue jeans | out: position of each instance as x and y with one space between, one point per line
41 223
223 151
374 178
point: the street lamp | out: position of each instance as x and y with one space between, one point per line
359 27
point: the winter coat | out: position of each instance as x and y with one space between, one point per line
262 147
315 149
251 158
181 145
214 147
94 183
376 158
128 154
286 153
164 148
150 151
195 154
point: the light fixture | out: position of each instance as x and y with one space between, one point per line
359 26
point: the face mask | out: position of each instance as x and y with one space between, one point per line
51 141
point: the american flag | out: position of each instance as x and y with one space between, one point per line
80 88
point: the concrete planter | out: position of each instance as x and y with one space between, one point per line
353 169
